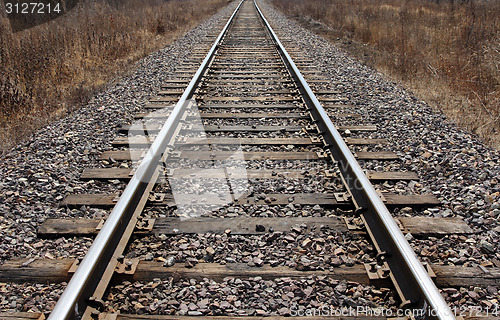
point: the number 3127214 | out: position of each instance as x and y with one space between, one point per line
32 8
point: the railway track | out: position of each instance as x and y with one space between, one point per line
242 147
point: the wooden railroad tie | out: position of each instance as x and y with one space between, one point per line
58 270
234 173
391 200
246 225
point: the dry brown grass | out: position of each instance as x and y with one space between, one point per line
446 51
52 69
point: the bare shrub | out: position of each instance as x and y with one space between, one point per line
52 69
446 51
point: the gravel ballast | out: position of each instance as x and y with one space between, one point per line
452 164
38 173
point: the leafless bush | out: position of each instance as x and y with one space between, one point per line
447 51
51 69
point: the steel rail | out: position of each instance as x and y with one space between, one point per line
73 302
407 270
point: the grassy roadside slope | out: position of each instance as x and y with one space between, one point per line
50 70
446 52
